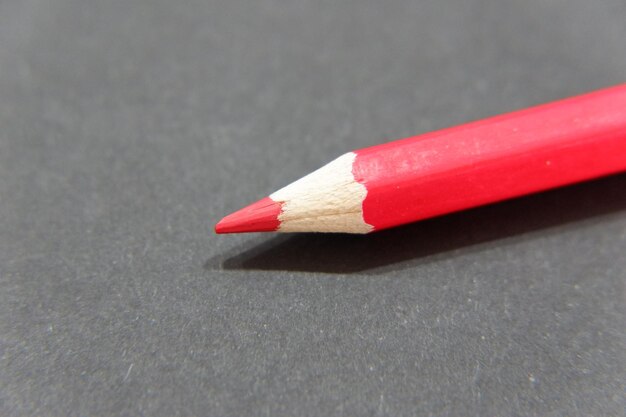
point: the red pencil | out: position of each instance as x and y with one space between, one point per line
482 162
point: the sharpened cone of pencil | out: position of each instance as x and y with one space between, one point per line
482 162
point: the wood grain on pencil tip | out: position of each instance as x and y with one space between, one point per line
482 162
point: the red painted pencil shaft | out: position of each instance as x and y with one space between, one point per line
494 159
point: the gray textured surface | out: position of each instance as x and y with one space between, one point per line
127 128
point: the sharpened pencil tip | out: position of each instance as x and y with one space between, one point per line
261 216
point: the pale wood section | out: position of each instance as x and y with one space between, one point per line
326 200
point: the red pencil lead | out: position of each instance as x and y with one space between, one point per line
261 216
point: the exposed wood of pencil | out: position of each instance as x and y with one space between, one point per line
478 163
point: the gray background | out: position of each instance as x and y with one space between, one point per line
128 128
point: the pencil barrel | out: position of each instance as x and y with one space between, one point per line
494 159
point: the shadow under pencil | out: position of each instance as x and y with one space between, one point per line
394 248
